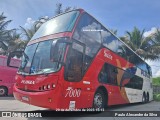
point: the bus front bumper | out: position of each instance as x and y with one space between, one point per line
44 99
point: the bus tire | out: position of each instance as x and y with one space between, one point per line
3 91
144 98
99 100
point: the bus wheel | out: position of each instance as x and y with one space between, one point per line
98 101
144 98
3 91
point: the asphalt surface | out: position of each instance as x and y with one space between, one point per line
10 104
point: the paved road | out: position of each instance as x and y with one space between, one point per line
10 104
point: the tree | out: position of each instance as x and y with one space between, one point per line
156 36
29 32
15 43
156 81
40 21
7 37
59 9
146 47
10 40
4 33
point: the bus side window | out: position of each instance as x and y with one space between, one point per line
133 81
108 74
103 75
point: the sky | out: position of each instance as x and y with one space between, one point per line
121 15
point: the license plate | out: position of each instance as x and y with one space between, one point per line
25 98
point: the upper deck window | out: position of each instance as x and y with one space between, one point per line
61 23
88 31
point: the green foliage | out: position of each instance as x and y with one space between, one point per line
4 33
156 81
60 9
156 97
10 40
146 47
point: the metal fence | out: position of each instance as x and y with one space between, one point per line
156 89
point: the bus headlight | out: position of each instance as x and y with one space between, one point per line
53 85
44 87
48 86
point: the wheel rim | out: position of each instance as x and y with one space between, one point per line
2 91
98 100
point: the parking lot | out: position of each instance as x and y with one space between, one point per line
10 104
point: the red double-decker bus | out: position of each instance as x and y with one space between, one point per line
74 62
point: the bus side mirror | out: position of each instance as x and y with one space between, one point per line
10 63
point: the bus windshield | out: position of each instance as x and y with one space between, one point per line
61 23
36 58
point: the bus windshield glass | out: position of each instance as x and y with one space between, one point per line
61 23
36 58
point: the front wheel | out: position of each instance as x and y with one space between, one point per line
99 101
3 91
